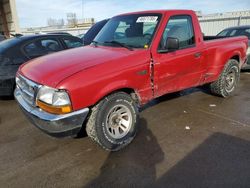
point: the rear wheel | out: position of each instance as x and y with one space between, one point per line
228 81
113 121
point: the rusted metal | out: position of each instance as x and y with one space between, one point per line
4 20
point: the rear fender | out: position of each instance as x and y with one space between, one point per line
220 61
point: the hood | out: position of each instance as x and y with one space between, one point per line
50 70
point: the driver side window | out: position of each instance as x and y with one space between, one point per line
181 28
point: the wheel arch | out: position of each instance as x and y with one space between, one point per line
129 90
236 57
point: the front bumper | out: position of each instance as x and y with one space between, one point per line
54 125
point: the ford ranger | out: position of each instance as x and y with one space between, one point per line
135 58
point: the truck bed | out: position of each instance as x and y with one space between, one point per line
219 50
206 38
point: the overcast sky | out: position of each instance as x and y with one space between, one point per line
35 13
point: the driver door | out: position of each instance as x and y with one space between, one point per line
181 68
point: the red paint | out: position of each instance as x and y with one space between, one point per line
90 73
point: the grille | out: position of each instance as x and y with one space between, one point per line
28 89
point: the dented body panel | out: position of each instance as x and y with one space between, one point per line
93 72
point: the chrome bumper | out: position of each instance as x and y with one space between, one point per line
54 125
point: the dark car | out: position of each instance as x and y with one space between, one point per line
2 37
18 50
92 32
238 31
60 33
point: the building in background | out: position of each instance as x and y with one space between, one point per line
8 18
52 22
71 19
72 25
214 23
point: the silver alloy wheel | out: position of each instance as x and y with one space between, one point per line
118 121
231 79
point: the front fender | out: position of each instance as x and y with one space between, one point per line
86 88
112 87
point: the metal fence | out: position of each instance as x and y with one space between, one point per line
214 24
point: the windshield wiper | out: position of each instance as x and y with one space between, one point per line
95 43
120 44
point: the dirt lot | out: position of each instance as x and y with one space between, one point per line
190 139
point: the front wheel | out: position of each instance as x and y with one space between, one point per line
113 121
228 81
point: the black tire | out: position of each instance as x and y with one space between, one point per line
221 87
98 123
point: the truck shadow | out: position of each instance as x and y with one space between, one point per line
220 161
134 166
175 95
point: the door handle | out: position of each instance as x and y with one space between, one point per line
197 55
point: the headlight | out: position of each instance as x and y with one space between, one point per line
53 100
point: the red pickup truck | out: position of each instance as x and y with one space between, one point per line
135 58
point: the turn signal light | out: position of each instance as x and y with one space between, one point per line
54 109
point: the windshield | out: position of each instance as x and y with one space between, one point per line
135 31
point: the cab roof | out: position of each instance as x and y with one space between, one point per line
176 11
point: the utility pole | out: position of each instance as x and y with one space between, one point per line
83 9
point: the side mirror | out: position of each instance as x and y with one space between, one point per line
171 44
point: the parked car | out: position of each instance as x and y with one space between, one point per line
2 37
103 84
239 31
92 32
81 36
59 33
18 50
